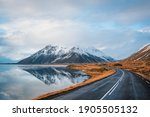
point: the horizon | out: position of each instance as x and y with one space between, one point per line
117 28
13 62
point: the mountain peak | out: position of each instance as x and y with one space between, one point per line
56 54
77 49
52 49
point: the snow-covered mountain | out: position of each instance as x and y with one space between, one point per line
142 54
55 54
55 75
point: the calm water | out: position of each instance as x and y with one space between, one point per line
27 82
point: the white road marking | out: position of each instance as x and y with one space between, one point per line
113 87
121 76
147 82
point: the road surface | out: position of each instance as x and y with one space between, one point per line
123 85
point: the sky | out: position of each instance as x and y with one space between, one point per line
117 27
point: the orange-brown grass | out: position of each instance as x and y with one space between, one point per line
96 73
140 67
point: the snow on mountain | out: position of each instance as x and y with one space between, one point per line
55 50
146 45
91 51
98 53
146 48
142 54
57 54
51 75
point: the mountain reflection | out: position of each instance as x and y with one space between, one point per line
55 75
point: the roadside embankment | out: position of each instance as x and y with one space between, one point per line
95 71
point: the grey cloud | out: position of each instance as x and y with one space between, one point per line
43 8
34 8
122 11
69 22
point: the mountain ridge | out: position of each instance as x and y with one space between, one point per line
59 55
142 54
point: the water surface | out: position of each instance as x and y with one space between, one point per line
27 82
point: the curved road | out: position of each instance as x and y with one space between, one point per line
123 85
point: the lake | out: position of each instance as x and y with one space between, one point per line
24 82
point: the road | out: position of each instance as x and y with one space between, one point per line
123 85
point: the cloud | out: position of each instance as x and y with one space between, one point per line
119 11
144 30
102 48
24 37
44 8
92 10
29 25
27 36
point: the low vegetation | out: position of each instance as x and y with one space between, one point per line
117 64
91 69
140 67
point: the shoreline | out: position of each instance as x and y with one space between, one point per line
55 65
92 70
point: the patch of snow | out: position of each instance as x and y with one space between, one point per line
91 51
98 53
95 51
147 46
55 50
78 50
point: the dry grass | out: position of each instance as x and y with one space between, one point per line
96 72
90 69
140 67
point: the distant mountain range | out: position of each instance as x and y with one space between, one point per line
60 55
143 54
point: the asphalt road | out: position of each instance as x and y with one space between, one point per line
123 85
